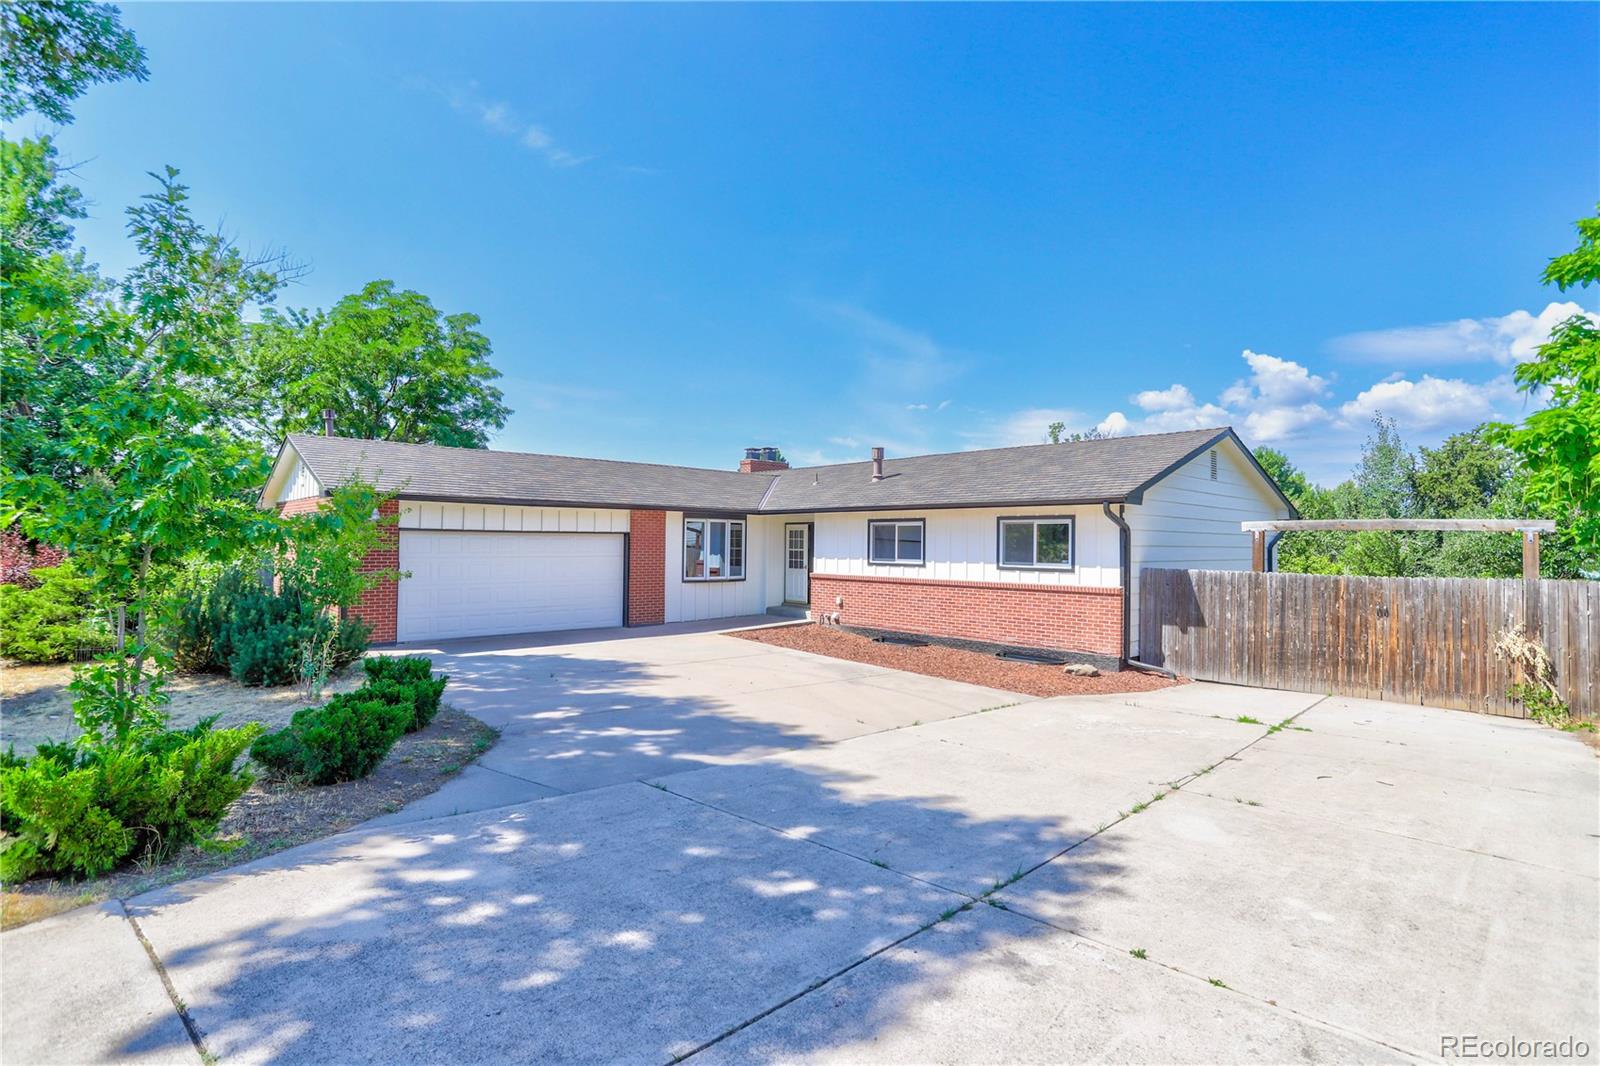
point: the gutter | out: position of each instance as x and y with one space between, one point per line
1124 539
1272 542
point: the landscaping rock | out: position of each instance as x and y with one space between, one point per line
1081 670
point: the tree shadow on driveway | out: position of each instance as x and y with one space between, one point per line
625 924
572 723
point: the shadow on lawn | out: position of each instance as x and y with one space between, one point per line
621 924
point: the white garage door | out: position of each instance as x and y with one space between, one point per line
479 584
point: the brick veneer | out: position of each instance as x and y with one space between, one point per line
647 568
304 505
380 604
1060 617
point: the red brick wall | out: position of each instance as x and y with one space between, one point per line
303 505
380 604
761 466
1059 617
647 568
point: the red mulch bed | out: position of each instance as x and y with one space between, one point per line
954 664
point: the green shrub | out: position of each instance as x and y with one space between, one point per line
278 752
398 668
407 679
52 622
238 623
344 739
85 810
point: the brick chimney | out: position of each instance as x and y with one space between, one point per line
760 460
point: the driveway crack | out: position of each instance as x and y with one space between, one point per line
189 1025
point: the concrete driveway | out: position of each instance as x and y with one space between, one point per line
578 711
883 873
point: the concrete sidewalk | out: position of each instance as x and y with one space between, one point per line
1351 887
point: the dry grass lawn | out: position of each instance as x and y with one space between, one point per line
36 706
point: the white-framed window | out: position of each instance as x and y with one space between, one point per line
896 541
713 549
1043 543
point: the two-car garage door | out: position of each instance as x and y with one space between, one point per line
477 584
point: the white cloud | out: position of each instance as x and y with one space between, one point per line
1433 403
501 119
1277 401
1282 381
1172 398
1505 339
1029 426
916 407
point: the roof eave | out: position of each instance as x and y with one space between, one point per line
958 505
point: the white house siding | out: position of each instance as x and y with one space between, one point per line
425 514
1190 522
962 545
690 601
299 484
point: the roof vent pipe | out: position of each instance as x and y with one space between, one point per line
877 464
327 421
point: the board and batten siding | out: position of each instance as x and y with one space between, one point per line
692 601
300 484
961 544
497 518
1190 522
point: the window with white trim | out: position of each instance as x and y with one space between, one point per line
896 542
1036 543
713 549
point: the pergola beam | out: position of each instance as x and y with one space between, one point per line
1423 525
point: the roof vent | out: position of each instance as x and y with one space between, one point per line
877 464
327 421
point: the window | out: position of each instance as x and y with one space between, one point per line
713 549
1036 543
895 543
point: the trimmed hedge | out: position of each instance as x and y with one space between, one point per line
413 674
347 737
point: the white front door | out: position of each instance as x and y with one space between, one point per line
797 564
476 584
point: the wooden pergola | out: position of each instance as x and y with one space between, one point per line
1529 528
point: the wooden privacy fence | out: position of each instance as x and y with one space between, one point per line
1415 640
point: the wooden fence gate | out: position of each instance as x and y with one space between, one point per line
1414 640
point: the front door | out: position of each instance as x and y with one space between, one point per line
797 563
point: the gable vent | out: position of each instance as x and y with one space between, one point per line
1213 464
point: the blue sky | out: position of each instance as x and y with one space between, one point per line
689 229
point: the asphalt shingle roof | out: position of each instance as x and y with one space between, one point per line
427 471
1075 472
1089 471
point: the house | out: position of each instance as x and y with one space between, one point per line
1034 547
